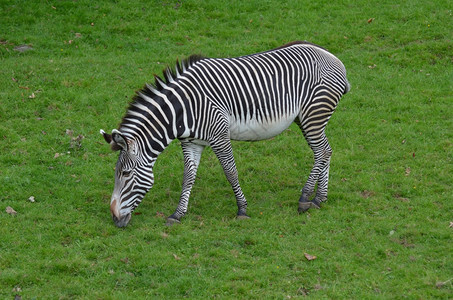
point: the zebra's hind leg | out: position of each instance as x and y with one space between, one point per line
224 152
192 154
319 175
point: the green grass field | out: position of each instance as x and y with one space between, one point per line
69 68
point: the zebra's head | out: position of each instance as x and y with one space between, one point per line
133 177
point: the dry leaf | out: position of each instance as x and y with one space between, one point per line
317 287
440 284
164 235
11 211
451 225
370 20
125 260
176 257
402 199
56 155
309 256
367 194
160 214
76 142
23 48
303 291
408 171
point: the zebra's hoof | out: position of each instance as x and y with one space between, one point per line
304 206
171 221
315 204
242 217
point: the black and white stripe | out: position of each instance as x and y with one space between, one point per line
208 102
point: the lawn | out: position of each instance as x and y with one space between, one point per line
70 68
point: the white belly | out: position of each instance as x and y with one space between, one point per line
253 130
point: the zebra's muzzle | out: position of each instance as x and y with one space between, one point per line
122 221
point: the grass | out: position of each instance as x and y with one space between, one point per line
384 233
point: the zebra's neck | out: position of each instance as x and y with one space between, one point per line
159 114
155 118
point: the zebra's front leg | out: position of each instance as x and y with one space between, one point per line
192 154
224 153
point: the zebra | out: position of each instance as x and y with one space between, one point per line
211 101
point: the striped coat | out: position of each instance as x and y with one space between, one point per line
209 102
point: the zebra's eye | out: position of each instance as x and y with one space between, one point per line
126 173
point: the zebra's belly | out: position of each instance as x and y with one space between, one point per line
253 130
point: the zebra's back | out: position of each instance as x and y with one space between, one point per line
262 94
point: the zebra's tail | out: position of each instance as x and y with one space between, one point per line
347 88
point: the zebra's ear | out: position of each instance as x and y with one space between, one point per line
119 140
107 137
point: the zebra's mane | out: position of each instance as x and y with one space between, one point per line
169 75
298 43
